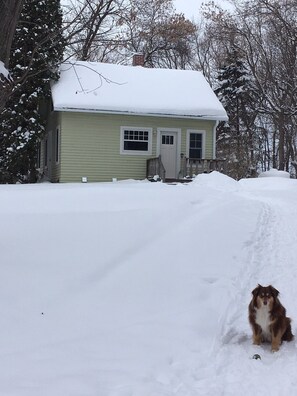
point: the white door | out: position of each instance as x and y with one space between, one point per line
168 151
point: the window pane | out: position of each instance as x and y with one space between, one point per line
195 154
195 149
45 152
38 163
57 144
134 145
167 139
196 140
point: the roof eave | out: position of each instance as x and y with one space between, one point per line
212 117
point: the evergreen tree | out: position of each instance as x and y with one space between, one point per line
235 137
36 51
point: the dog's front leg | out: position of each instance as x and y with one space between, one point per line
276 341
257 335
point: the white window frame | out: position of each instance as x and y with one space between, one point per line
136 152
57 144
200 132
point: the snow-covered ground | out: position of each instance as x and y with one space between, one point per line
141 289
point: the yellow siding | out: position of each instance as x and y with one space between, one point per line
90 145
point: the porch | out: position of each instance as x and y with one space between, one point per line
189 168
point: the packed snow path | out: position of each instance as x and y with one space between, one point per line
271 259
142 289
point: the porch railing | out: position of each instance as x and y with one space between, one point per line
189 168
193 167
155 167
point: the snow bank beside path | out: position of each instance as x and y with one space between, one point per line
217 181
275 173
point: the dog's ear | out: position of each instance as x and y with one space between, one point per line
274 292
255 292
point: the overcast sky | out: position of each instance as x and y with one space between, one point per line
191 7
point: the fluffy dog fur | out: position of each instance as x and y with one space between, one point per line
268 318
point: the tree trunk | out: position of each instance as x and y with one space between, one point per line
274 151
281 143
10 12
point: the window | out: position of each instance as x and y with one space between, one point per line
195 148
57 144
45 152
38 157
168 139
195 142
136 140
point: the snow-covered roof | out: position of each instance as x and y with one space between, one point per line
112 88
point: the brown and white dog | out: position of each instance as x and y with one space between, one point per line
268 318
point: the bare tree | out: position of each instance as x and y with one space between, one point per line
271 42
153 28
92 28
265 33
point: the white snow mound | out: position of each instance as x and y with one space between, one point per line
275 173
217 181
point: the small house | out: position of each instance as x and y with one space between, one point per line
111 121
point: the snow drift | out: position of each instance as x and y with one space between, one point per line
138 288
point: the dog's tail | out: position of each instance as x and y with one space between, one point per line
288 336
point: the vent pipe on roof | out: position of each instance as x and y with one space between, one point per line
138 60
